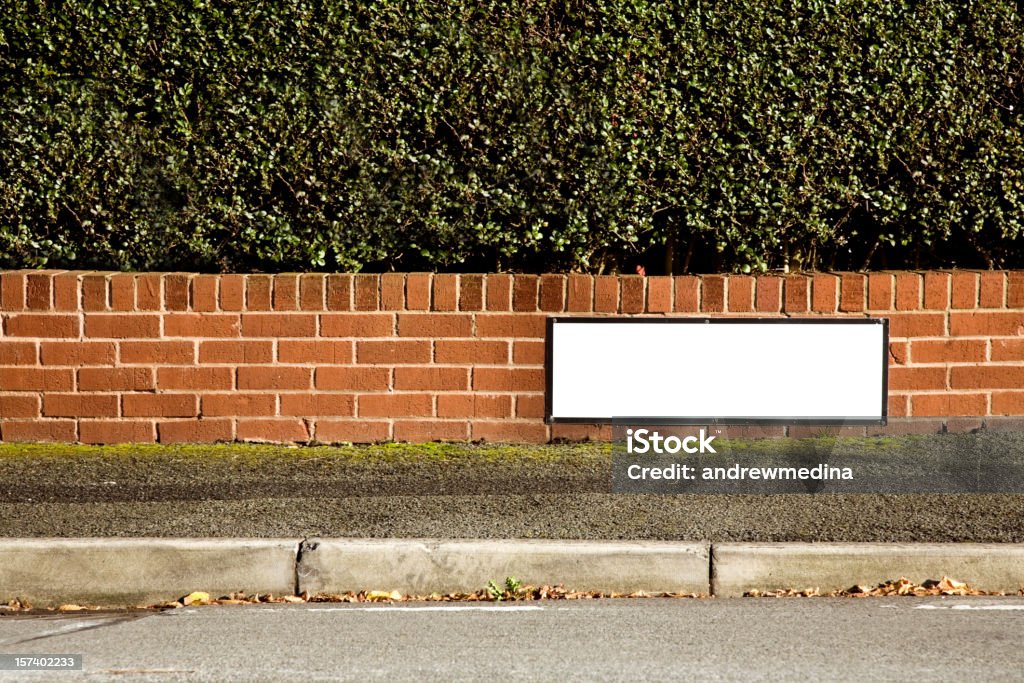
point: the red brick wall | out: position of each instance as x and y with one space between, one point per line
171 357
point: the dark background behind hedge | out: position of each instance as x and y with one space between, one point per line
691 136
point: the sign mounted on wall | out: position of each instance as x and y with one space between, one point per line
717 370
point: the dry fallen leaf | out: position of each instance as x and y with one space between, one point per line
196 598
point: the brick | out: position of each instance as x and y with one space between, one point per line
898 405
552 293
210 379
936 291
908 291
94 293
116 431
19 405
522 326
713 293
768 295
824 293
395 405
160 405
445 292
898 353
176 286
851 297
115 379
319 352
36 379
352 431
993 290
508 431
127 326
1015 289
158 352
233 404
357 325
499 292
582 432
392 291
353 379
417 291
273 430
525 290
419 431
311 292
12 291
17 352
880 291
964 293
508 379
78 353
987 324
948 351
796 290
931 405
65 292
631 294
232 292
309 405
391 352
528 353
258 292
1007 349
366 290
432 378
917 324
606 294
471 352
42 325
149 290
194 431
274 377
741 294
339 292
986 376
204 293
278 325
208 325
1008 403
435 325
286 292
122 292
39 291
474 405
237 351
39 430
687 294
659 294
530 406
580 293
912 378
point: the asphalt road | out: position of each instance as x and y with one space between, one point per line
655 639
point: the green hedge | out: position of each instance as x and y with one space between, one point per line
483 135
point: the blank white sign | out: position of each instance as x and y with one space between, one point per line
757 370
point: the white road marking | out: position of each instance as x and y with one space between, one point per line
995 608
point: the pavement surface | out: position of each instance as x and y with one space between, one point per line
449 491
917 639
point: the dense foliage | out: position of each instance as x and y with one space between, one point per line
531 135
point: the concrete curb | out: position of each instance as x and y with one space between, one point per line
740 567
421 567
137 571
134 571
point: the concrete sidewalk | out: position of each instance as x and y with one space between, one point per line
131 572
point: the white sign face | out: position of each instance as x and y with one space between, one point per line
770 370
